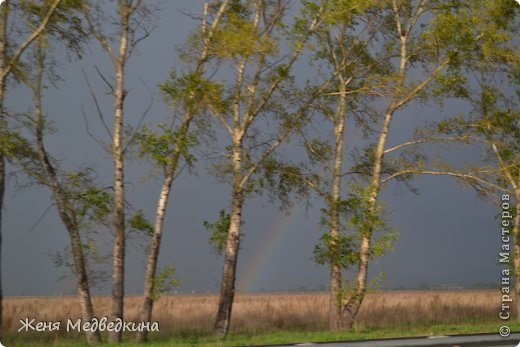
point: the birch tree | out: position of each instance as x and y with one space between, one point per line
358 42
10 54
132 22
78 201
248 42
437 49
344 50
193 94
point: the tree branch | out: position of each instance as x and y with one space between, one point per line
14 60
141 120
286 133
503 166
101 39
292 59
420 87
461 175
96 103
310 184
265 155
219 116
410 143
103 78
100 143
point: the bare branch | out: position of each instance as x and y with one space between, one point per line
141 120
192 16
101 39
324 159
100 143
103 78
96 103
135 5
461 175
433 139
178 173
35 225
134 42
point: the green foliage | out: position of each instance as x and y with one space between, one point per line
236 7
325 250
14 146
95 201
97 276
219 231
65 26
377 283
361 219
341 12
450 84
494 121
472 33
89 203
164 282
383 243
364 160
284 181
140 223
319 151
193 93
362 216
365 216
160 147
239 37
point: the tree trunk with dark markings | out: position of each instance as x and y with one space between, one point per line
118 260
227 287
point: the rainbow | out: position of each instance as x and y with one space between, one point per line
270 245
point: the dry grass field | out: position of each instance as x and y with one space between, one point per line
258 313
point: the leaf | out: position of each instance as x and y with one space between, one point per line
139 222
219 231
164 282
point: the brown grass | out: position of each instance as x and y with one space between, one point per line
254 313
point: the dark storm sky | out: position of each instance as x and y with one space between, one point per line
447 235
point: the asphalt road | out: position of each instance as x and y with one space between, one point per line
477 340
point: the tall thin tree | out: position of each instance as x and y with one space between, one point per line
340 43
68 211
132 19
7 64
194 98
249 42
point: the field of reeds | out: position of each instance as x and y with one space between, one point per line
260 313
